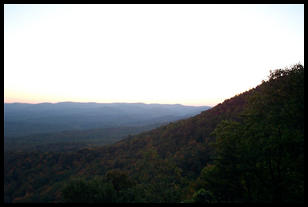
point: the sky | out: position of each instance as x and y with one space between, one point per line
190 54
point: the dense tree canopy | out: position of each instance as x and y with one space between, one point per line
250 148
260 158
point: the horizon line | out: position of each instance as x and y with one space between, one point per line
198 105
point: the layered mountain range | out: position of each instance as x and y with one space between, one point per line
250 148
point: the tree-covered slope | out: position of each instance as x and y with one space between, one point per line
72 140
260 157
232 152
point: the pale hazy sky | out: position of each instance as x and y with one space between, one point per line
186 54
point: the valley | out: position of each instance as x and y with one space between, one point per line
249 148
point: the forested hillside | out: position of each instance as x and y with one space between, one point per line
72 140
250 148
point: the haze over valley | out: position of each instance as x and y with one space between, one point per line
153 103
75 123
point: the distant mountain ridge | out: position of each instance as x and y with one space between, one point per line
22 119
174 162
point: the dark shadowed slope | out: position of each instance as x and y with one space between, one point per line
183 142
178 161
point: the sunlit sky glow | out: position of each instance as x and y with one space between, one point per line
186 54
